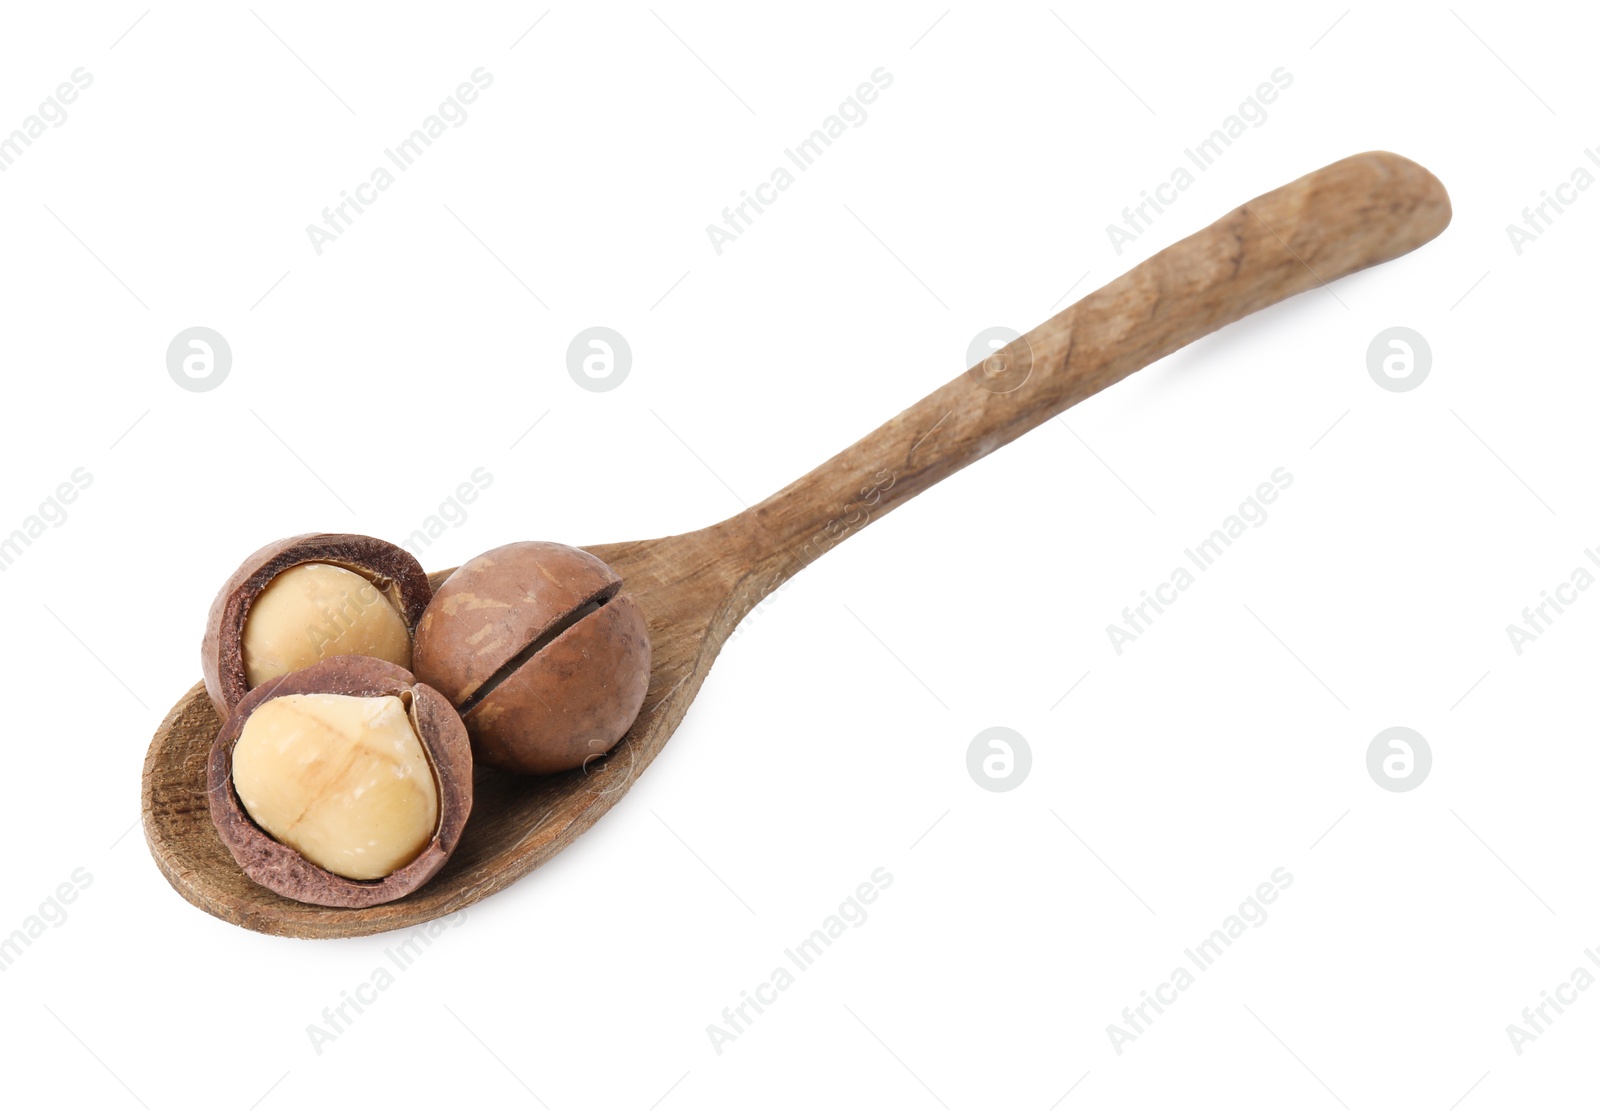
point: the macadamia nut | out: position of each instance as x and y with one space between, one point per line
313 611
343 780
542 653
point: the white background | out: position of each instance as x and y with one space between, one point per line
831 738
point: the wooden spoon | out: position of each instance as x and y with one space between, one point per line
694 588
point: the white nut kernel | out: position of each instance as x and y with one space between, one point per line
314 611
343 780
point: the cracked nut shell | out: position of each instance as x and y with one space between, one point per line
284 870
390 568
546 658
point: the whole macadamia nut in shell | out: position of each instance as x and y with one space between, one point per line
545 656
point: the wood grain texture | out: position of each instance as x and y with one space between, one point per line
694 588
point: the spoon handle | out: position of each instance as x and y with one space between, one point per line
1360 211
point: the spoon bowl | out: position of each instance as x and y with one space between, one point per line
517 822
694 588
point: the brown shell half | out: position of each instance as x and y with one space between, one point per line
285 871
496 605
573 700
391 568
